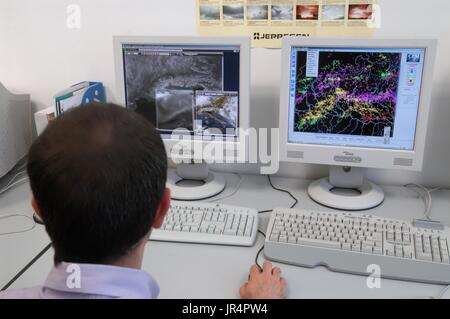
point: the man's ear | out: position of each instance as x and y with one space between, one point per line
162 209
35 207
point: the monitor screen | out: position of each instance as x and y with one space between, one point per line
355 97
189 87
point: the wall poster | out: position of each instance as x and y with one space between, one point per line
268 21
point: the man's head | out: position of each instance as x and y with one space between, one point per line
98 175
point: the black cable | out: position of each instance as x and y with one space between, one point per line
20 273
284 191
259 252
280 190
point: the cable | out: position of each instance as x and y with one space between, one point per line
426 196
238 186
280 190
21 231
9 186
24 165
18 170
14 177
436 189
284 191
20 273
442 293
259 252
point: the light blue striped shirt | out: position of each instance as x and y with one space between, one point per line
79 281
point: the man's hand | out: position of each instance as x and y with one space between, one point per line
265 284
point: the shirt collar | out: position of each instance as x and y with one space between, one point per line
102 280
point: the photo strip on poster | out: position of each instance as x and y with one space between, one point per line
268 21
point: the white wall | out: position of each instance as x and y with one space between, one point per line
40 55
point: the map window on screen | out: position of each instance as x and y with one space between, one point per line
357 97
190 87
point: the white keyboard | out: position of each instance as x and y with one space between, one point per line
208 223
351 242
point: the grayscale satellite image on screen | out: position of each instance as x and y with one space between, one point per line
174 109
147 73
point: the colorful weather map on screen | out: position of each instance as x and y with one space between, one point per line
353 93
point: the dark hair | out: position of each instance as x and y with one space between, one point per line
98 173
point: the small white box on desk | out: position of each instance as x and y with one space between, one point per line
43 117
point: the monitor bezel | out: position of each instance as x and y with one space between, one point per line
357 156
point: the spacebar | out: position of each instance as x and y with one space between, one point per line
319 243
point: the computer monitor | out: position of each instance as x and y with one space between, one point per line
354 104
195 91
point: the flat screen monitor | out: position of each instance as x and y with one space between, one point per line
354 104
195 91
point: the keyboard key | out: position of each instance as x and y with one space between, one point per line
274 237
195 229
378 250
424 256
319 243
230 231
398 251
445 259
390 236
407 254
186 228
249 226
367 248
406 238
283 239
390 251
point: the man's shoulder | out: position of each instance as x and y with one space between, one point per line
25 293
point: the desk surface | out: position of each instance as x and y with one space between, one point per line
207 271
16 250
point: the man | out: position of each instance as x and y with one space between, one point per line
98 176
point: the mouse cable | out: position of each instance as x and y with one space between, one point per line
21 272
442 293
259 252
280 190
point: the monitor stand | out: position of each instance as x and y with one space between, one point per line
346 189
194 182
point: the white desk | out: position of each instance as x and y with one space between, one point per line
206 271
